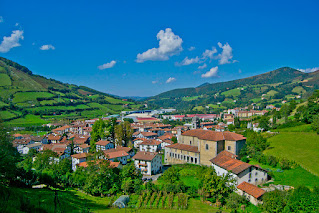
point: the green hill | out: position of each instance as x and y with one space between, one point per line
25 97
268 88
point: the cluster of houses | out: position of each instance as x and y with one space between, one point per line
202 143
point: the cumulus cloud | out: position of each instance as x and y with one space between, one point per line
307 70
169 45
226 55
209 53
47 47
170 80
203 66
107 65
191 48
188 61
12 41
211 73
1 19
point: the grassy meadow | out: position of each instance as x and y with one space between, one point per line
302 147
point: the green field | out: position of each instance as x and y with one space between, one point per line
4 80
302 147
232 92
27 121
7 115
190 98
293 177
30 96
75 201
299 90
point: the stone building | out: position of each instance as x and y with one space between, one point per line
202 145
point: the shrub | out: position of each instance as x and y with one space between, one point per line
234 201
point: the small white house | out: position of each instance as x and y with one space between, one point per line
117 155
150 146
251 192
78 158
36 146
226 162
83 148
148 162
103 145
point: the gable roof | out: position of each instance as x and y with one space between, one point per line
151 142
251 189
227 161
148 134
115 154
184 147
213 135
102 142
147 156
79 155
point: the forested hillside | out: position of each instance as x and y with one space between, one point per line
28 98
268 88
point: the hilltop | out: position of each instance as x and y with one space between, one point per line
26 97
268 88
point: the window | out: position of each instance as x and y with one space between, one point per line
249 181
256 173
256 180
229 148
196 160
192 159
190 142
207 147
249 175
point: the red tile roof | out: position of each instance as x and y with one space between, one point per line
102 143
227 161
79 155
116 154
251 189
147 156
213 135
184 147
151 142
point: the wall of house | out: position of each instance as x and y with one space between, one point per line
251 198
252 175
149 148
176 156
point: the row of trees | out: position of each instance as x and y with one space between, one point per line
120 133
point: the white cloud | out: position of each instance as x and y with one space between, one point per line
203 66
209 53
11 41
170 79
191 48
211 73
196 72
307 70
107 65
154 82
188 61
169 45
17 24
226 55
47 47
1 19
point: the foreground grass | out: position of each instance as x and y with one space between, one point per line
302 147
292 177
74 201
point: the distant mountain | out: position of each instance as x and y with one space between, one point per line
271 87
23 94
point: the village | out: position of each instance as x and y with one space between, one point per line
204 139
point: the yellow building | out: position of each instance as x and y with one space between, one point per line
199 146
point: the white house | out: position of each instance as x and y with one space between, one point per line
226 162
116 155
83 148
27 148
146 135
104 145
137 142
148 162
251 192
150 145
78 158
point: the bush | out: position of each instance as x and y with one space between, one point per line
234 201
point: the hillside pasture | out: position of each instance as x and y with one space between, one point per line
30 96
299 90
232 92
4 80
5 115
302 147
28 120
190 98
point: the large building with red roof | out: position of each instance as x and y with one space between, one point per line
199 146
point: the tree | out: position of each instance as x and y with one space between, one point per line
174 139
275 201
315 124
231 127
123 133
8 157
98 132
237 122
264 123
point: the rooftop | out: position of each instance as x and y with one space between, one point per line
251 189
213 135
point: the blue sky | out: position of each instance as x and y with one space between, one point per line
142 48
